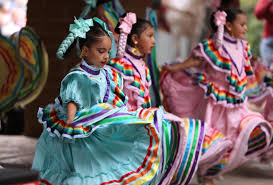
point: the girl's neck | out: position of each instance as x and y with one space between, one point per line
92 67
229 38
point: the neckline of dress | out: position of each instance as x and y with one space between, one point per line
134 52
90 68
232 61
230 39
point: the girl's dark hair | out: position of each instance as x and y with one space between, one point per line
92 36
231 16
140 26
227 3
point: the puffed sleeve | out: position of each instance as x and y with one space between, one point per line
197 53
78 88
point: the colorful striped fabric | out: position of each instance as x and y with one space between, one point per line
146 172
225 65
120 98
195 135
257 141
115 84
176 145
248 68
127 69
12 74
215 57
255 86
30 51
112 11
219 95
216 169
238 85
151 158
209 141
30 54
257 138
87 120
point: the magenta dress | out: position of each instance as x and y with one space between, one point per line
215 93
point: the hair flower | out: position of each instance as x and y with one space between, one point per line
127 22
80 27
220 18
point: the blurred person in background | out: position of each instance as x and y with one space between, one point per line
264 11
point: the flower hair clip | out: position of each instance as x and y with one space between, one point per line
79 30
220 18
80 27
127 22
125 27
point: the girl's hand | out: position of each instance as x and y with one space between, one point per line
69 121
169 68
71 112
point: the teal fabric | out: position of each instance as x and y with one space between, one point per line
109 152
106 143
80 88
106 154
76 88
81 27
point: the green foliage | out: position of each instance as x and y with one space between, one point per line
255 27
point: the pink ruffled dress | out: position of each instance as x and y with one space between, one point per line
215 93
264 89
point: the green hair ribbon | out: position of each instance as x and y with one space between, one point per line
79 30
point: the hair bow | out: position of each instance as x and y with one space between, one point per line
80 27
103 25
127 22
220 18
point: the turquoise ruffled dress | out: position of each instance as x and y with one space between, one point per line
106 143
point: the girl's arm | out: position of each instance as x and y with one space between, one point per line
190 62
71 112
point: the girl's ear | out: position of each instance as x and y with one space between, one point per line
228 27
84 50
135 39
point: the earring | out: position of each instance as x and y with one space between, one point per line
135 42
82 54
231 32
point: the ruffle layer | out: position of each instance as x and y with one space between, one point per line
224 64
173 155
87 120
220 96
221 154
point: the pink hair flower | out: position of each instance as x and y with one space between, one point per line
220 18
127 22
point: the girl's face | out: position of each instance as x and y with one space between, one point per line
146 40
238 27
98 53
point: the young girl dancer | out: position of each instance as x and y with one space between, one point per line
137 39
89 137
215 93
